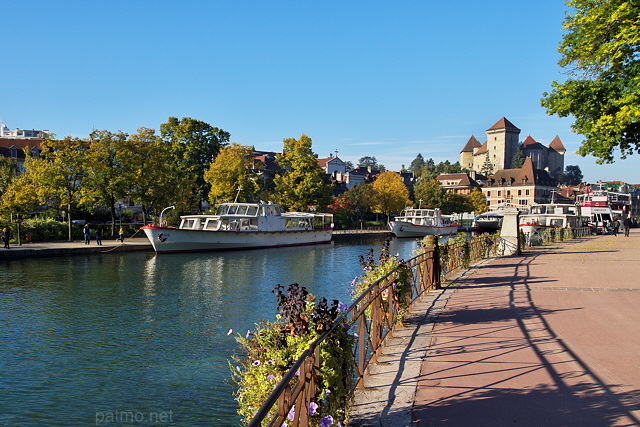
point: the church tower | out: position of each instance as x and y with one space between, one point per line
502 143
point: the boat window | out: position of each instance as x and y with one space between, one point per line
242 210
252 211
232 210
555 222
191 223
211 224
222 210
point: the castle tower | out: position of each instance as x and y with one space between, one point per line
466 155
502 143
556 157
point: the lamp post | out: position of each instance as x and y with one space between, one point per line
162 213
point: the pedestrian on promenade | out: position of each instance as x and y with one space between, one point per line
6 236
627 226
121 235
86 231
615 226
99 235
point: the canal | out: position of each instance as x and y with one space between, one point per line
107 339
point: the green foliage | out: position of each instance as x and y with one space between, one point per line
302 182
429 191
518 159
272 349
600 54
231 171
193 145
455 203
417 164
572 175
487 167
476 200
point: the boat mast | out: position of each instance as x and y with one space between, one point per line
237 194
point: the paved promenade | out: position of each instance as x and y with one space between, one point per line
28 250
548 338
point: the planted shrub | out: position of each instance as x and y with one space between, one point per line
272 349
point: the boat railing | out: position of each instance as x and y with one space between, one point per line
372 316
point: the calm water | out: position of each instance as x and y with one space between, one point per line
97 339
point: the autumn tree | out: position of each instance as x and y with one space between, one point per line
477 202
8 172
60 174
358 199
302 183
150 180
193 145
230 172
20 195
428 193
601 55
105 182
390 194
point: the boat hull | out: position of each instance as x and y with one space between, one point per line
168 239
407 229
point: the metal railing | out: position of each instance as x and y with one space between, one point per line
551 235
373 316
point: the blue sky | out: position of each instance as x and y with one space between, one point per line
366 78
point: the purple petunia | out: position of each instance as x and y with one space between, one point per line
313 407
256 363
270 377
326 421
342 306
292 413
270 362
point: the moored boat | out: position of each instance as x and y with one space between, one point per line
550 215
241 226
602 208
422 222
488 221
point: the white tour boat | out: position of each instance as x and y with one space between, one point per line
488 221
422 222
550 215
602 207
242 226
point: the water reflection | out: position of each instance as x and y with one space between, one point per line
143 332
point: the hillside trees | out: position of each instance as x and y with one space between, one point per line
600 52
230 175
302 182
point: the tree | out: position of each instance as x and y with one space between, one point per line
455 203
417 164
8 172
230 171
150 179
194 144
302 183
390 194
60 175
487 166
370 161
358 199
518 159
572 175
20 196
105 182
601 53
477 202
348 165
430 192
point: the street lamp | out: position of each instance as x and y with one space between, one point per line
162 213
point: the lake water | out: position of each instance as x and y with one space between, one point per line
141 339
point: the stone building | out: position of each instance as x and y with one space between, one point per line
501 147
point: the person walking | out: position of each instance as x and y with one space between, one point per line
99 235
86 231
627 225
615 226
6 236
121 235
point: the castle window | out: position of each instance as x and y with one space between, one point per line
499 193
519 192
488 193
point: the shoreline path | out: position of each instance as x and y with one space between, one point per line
547 338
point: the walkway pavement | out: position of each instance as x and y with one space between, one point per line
77 247
548 338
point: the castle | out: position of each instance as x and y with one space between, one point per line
501 147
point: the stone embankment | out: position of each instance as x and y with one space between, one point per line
33 250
